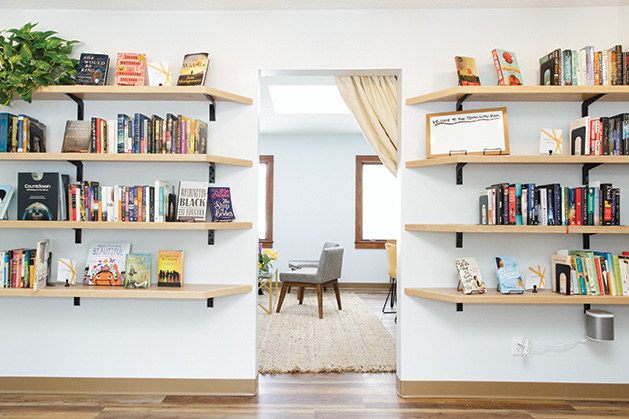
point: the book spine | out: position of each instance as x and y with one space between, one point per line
501 78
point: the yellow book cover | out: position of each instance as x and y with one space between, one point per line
193 69
169 268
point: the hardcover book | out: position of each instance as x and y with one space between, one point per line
192 201
42 264
193 69
36 136
470 278
221 204
92 69
507 68
77 137
130 69
106 263
467 71
138 270
6 131
169 268
39 196
6 192
509 277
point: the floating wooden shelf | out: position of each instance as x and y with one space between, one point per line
510 159
524 94
138 93
186 292
105 225
127 158
491 296
533 229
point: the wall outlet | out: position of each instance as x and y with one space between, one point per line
519 346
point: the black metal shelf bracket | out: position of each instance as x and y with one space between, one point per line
586 307
586 240
459 173
459 307
80 107
212 177
77 301
77 235
210 237
210 302
459 102
586 104
585 172
212 107
79 169
459 240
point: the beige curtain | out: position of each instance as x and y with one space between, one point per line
373 101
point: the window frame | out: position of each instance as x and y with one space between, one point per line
267 241
360 242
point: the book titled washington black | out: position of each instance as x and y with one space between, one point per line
39 196
92 69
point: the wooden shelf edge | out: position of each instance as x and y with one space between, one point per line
517 159
536 229
451 295
136 158
186 292
106 225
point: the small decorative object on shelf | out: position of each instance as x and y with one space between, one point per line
66 271
159 74
536 277
551 141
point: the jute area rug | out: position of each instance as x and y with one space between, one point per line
297 341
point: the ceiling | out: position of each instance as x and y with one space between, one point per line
298 4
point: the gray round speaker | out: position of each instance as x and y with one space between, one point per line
599 325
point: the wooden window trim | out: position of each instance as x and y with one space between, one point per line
267 242
359 242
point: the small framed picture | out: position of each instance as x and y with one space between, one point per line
551 141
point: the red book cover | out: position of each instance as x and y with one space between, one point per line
599 275
507 68
578 205
512 204
130 69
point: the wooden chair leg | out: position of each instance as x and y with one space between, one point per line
335 284
300 295
320 300
282 295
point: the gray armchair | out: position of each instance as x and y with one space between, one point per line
327 273
299 264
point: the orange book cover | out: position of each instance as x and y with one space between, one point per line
130 69
169 268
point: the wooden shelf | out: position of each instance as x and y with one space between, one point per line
127 158
186 292
104 225
138 93
510 159
534 229
524 94
451 295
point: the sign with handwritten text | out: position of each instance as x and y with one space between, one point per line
481 131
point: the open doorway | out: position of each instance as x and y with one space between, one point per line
312 148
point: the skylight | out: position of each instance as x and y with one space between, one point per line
296 99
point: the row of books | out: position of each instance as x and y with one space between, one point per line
585 67
21 134
551 204
507 273
604 136
131 70
174 134
590 273
26 268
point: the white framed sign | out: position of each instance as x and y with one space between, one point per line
481 131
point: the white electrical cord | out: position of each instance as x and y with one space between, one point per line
552 347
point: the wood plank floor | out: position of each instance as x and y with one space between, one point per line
305 396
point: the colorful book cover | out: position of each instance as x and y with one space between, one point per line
42 264
507 68
169 268
193 69
39 196
130 69
201 137
6 131
509 277
106 263
221 204
192 201
467 71
137 270
6 192
92 69
470 278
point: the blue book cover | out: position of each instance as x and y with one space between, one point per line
5 131
508 273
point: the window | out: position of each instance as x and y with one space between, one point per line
377 204
265 201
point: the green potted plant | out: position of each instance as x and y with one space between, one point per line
32 59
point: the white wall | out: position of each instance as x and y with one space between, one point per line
433 339
314 201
